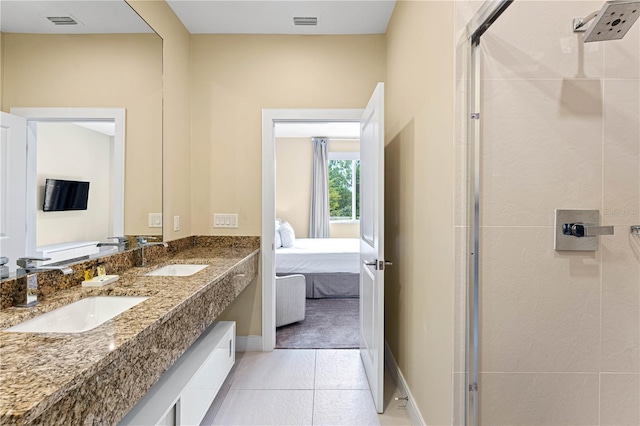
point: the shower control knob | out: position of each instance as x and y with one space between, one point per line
584 230
575 229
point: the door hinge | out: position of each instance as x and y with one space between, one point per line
475 116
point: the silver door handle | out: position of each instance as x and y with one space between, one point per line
378 264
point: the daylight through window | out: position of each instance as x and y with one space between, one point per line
344 189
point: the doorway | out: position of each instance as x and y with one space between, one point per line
371 254
270 119
317 262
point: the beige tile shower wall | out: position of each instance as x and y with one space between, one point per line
560 331
419 201
98 70
176 114
293 182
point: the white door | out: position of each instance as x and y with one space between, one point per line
13 187
372 261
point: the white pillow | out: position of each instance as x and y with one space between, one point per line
287 235
278 239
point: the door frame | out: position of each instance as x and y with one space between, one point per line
67 115
269 118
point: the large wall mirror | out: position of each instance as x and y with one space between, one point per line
96 55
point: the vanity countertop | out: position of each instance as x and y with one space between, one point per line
95 377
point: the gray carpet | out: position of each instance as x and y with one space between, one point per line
328 324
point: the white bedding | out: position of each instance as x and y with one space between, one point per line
319 255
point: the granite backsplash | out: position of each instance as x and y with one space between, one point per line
50 282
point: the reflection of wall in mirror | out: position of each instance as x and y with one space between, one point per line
99 70
86 157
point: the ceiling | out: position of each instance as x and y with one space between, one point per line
276 17
93 16
200 16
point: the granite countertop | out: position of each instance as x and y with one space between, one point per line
38 370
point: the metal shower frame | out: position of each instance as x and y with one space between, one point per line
480 23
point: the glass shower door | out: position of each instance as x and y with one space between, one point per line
557 331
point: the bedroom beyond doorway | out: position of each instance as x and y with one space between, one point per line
317 251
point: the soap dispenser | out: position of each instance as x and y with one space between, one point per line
4 269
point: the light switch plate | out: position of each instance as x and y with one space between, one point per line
225 220
569 242
176 223
155 220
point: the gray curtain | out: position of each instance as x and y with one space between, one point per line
319 217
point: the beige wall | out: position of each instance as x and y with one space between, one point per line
233 78
419 201
98 70
87 158
293 184
560 331
176 114
1 68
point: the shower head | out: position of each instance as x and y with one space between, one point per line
611 23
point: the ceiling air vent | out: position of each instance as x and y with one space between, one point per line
305 20
62 20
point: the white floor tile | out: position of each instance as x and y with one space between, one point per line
266 407
214 408
340 369
263 391
344 407
280 369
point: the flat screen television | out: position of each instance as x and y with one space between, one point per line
61 195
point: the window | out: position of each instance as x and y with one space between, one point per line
344 186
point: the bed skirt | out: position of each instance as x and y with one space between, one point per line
335 284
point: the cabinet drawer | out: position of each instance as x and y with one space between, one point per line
203 387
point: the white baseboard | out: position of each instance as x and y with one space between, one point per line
248 343
403 388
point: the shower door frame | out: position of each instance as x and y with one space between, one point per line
479 24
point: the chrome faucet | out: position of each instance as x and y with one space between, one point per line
142 242
28 279
122 243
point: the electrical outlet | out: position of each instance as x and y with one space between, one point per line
155 220
176 223
225 220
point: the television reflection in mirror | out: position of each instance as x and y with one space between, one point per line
62 195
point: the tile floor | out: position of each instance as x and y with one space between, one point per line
302 387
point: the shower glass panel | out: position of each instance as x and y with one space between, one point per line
551 337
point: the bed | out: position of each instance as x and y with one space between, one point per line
331 266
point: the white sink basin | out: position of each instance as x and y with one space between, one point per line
177 270
79 316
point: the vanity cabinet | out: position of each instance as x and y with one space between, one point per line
185 392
